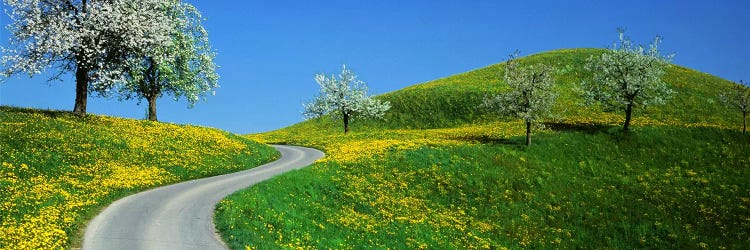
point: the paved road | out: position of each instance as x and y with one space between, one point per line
180 216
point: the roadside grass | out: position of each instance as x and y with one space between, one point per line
438 172
658 187
59 169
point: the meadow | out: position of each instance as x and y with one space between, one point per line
58 170
440 173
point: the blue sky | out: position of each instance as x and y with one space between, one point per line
268 51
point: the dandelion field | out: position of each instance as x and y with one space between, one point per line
58 169
661 187
438 174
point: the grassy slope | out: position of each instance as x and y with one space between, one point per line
678 181
59 169
454 100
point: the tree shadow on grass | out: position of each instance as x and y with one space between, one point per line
48 113
516 141
589 128
614 132
520 141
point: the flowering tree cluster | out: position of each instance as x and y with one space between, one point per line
344 97
627 77
530 97
95 39
738 97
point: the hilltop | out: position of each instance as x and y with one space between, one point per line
454 100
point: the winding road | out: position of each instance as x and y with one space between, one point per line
180 216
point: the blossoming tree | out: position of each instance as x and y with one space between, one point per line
739 98
343 98
91 38
627 77
183 67
530 96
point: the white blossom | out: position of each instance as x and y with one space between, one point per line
627 76
66 34
530 96
184 62
344 97
738 97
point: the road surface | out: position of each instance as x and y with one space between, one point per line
180 216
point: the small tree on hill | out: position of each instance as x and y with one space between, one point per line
343 98
738 97
627 77
530 97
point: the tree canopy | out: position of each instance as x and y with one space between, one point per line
627 76
344 97
92 38
183 67
530 96
738 97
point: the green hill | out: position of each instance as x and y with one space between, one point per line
58 169
441 173
454 100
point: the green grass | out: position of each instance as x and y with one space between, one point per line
58 169
439 172
660 187
454 101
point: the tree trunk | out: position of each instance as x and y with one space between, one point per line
346 123
82 90
82 76
744 122
528 133
628 112
152 108
153 89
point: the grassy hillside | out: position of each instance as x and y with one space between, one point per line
440 173
661 187
59 169
454 100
